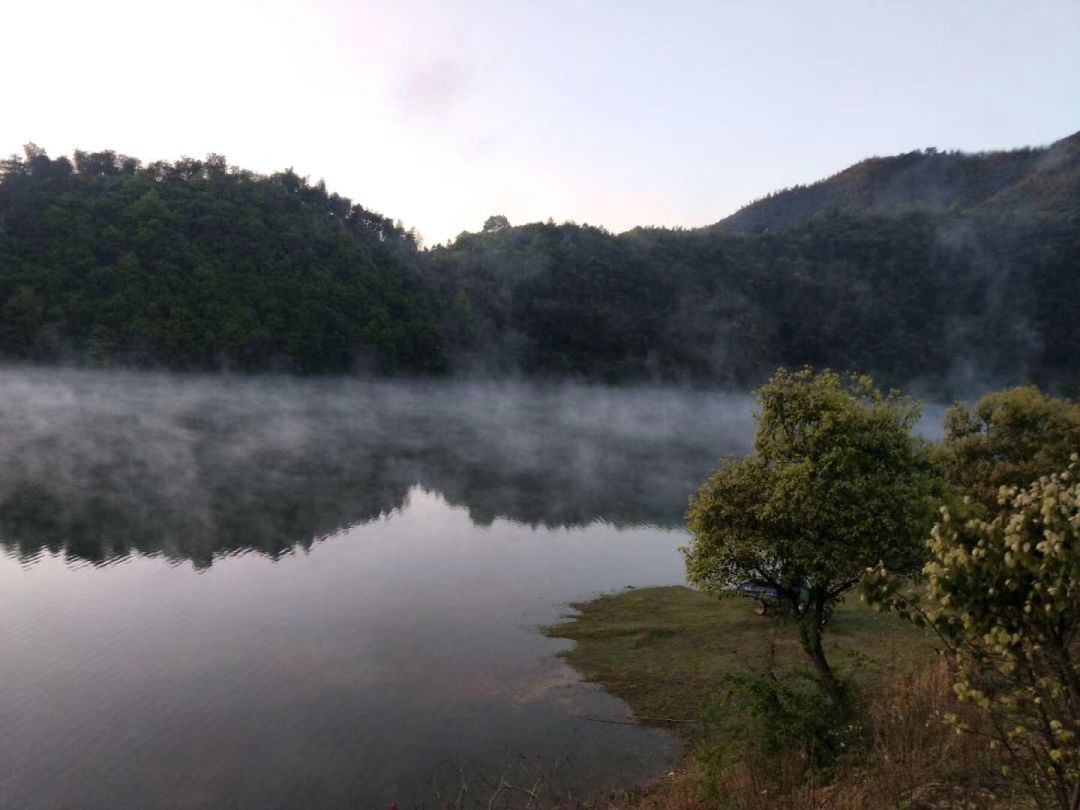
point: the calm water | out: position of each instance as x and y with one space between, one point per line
280 594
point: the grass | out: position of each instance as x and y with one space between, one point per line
668 651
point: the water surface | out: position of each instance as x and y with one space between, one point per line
274 593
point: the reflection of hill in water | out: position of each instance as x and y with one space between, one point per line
97 466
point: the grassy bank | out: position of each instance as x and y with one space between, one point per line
672 654
667 651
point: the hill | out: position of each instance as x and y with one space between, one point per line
1024 181
197 265
945 303
939 271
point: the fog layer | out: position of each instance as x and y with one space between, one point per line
100 465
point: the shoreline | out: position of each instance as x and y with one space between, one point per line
671 653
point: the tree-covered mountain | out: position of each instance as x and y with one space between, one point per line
1023 181
196 265
957 299
929 268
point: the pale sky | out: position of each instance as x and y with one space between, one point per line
615 113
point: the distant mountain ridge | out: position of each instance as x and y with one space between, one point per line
1028 181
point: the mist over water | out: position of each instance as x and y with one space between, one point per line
323 593
100 465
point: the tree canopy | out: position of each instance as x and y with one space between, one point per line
198 265
835 483
1008 439
948 302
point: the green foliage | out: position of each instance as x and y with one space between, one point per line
949 299
836 483
196 265
1005 596
1009 439
21 318
779 713
496 222
907 272
941 268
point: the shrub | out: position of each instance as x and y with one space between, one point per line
1004 595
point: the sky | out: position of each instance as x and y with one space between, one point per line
616 113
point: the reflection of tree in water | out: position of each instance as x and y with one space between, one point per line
101 466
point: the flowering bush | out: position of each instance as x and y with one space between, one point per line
1004 595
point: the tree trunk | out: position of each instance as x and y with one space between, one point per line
810 634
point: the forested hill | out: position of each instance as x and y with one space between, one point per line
940 301
195 265
198 265
1029 181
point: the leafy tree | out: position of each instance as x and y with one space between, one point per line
1008 438
836 482
496 223
1004 595
20 318
463 317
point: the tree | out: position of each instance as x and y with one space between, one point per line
20 319
835 483
1004 595
1008 438
495 223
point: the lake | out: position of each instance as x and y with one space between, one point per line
276 593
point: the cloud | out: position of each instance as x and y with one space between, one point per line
434 88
